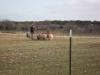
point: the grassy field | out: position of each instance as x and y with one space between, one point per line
22 56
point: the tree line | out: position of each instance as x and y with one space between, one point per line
64 26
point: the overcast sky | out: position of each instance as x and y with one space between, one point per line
28 10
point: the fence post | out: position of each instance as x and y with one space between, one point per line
70 52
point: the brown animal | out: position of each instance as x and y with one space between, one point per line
28 35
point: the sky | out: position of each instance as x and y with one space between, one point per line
36 10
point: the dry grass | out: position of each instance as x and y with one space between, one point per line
22 56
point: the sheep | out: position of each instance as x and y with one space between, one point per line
50 36
45 36
42 36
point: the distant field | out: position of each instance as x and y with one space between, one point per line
22 56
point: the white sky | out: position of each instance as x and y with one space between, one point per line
28 10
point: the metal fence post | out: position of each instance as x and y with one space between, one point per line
70 53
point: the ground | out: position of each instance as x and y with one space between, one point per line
22 56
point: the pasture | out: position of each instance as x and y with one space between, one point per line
22 56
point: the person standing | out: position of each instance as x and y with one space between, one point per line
32 30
